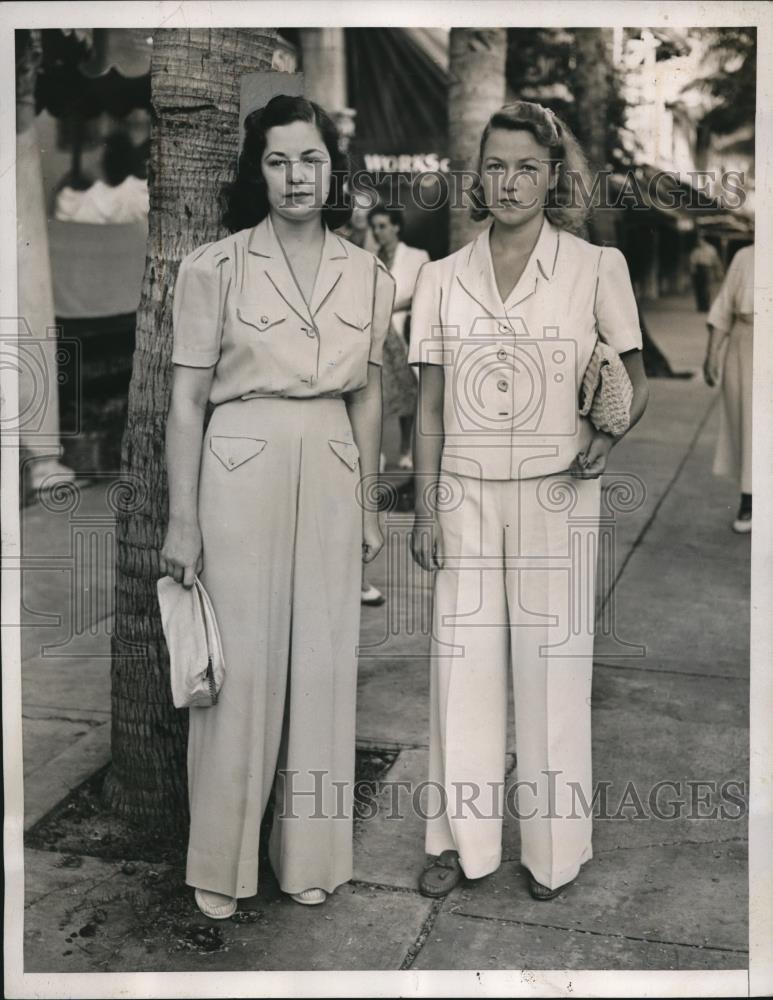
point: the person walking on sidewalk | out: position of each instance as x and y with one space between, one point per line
508 503
705 267
398 383
404 263
280 326
731 318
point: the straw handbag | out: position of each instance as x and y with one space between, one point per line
606 392
196 664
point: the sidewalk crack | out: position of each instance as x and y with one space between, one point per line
605 934
92 723
672 843
426 928
676 673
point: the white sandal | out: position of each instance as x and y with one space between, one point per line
215 911
309 897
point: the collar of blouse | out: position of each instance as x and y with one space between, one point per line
264 245
476 276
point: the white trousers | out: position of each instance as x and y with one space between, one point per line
515 596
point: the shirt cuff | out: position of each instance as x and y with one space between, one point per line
628 340
194 359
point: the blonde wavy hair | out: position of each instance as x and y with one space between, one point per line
564 209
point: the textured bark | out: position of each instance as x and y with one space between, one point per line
476 90
592 91
195 107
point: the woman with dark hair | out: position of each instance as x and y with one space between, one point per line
280 327
508 503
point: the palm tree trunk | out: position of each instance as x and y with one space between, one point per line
476 90
593 47
195 80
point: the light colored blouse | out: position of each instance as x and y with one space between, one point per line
513 369
735 300
238 307
405 270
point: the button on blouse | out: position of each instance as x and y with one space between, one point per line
237 307
513 369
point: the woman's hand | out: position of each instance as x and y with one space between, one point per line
590 464
372 539
427 542
180 555
711 370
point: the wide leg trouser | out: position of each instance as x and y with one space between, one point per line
282 546
515 596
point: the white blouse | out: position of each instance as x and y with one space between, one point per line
513 369
237 307
736 296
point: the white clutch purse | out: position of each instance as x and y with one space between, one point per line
196 665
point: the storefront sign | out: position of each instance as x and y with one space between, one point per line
406 163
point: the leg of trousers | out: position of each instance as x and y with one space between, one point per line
733 453
282 535
515 597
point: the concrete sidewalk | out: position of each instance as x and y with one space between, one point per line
670 703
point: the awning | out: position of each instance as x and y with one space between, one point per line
112 74
398 90
677 203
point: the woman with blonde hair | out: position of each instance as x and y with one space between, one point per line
508 502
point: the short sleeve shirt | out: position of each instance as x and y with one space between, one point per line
238 308
513 369
736 296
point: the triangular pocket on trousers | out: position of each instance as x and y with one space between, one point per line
234 451
346 451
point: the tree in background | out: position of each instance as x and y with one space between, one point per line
195 81
730 79
570 70
476 89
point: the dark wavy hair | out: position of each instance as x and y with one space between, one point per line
564 209
395 215
246 201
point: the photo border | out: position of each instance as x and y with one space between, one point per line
351 13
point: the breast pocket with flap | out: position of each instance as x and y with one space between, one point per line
259 320
358 322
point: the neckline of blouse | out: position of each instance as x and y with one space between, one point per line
276 237
543 257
